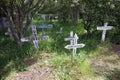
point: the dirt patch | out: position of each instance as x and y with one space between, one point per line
116 48
34 72
30 61
107 65
103 65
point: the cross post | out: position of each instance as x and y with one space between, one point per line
73 43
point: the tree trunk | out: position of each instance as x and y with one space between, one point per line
27 24
16 26
13 31
75 14
17 12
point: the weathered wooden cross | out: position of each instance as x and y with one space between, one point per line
104 28
60 31
10 34
43 26
34 38
73 43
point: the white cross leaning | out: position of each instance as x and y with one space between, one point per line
104 28
34 38
43 25
10 34
73 43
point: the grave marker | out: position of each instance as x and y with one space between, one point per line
104 28
34 38
73 43
70 38
43 25
60 31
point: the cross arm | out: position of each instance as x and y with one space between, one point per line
45 26
75 46
68 39
42 37
105 28
26 39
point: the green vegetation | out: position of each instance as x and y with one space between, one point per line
92 13
96 61
52 53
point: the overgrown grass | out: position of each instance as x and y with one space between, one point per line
78 69
12 57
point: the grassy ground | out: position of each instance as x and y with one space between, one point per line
98 65
93 62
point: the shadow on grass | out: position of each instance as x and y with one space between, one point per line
91 41
113 75
115 37
13 57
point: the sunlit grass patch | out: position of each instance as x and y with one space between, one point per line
67 69
59 60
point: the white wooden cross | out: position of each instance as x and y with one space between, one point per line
43 26
70 38
34 38
104 28
10 34
73 43
60 31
